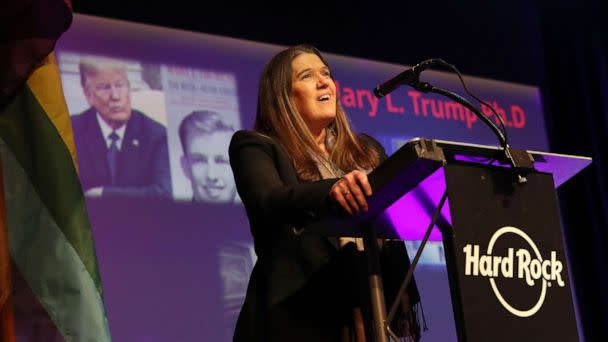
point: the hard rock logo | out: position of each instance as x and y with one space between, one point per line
520 264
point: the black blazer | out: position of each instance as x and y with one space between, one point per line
143 161
276 202
289 264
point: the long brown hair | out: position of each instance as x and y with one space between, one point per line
278 117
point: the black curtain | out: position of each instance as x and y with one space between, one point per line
575 40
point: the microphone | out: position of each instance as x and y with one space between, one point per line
409 76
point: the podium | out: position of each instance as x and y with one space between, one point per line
500 228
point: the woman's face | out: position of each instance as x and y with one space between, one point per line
313 91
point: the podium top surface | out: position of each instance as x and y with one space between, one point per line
562 166
409 184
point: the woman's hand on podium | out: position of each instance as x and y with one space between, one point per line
350 192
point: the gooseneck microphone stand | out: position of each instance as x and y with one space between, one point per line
518 159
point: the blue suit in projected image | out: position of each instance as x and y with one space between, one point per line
121 152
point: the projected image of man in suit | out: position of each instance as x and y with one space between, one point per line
205 137
121 151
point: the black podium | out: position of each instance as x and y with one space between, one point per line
501 233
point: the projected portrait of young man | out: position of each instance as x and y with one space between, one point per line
205 138
121 151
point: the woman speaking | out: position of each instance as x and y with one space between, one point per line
301 161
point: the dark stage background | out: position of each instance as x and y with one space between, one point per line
560 46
